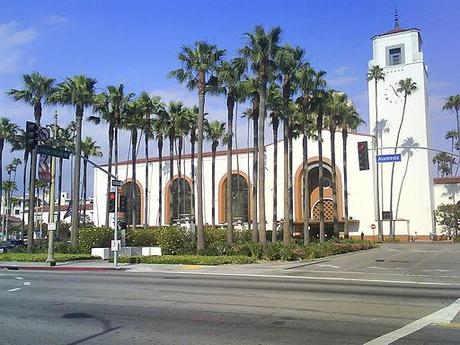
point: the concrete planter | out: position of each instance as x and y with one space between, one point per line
106 253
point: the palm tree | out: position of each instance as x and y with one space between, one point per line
288 61
260 51
111 107
8 186
159 125
215 131
408 145
275 104
8 131
453 103
89 148
406 87
376 74
77 91
36 89
380 129
198 62
349 122
230 81
453 136
444 162
193 118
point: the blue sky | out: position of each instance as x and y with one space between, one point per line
136 43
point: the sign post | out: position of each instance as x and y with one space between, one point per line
373 231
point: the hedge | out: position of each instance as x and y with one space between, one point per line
41 257
93 237
188 259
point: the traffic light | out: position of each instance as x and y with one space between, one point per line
31 135
112 202
123 203
363 155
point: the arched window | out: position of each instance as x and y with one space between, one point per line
240 199
127 191
181 199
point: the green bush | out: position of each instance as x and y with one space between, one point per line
188 259
175 240
141 237
457 239
94 238
41 257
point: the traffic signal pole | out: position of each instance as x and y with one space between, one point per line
51 223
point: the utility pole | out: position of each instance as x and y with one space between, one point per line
51 223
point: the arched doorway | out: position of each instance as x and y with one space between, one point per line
240 198
127 190
178 194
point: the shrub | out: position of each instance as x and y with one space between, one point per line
141 237
188 259
94 237
175 240
41 257
65 248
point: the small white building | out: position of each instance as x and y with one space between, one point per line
399 53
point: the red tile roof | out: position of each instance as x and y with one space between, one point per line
447 180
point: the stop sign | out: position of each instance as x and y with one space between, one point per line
373 226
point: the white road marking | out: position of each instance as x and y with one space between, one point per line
27 283
19 278
436 270
326 265
386 268
407 282
15 289
445 315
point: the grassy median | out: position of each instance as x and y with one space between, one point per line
41 257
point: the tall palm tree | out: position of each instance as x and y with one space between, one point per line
408 145
8 131
35 90
77 91
230 81
260 51
444 162
111 106
407 87
159 125
453 103
376 74
453 136
380 129
193 118
198 62
275 104
89 149
349 122
8 187
215 131
288 60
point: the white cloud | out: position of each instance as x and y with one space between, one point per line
13 41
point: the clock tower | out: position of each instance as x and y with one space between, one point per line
399 53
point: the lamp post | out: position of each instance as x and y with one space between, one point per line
51 224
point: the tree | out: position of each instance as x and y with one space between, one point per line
289 61
407 87
193 118
198 62
230 81
444 162
111 107
8 131
448 216
215 133
77 91
408 145
376 74
453 136
36 89
349 122
89 149
19 143
159 124
380 129
453 103
8 187
260 51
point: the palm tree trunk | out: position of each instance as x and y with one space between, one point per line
160 179
213 186
289 179
402 184
345 182
171 176
392 229
286 223
58 220
192 163
306 193
249 176
320 178
24 186
334 184
146 189
379 222
85 167
458 131
179 182
255 179
2 145
109 168
229 202
261 170
275 180
199 175
75 220
134 184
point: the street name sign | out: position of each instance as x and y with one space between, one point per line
117 183
389 158
53 151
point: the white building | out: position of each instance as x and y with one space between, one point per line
400 55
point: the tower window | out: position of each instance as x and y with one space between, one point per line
395 56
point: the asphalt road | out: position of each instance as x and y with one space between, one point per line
350 299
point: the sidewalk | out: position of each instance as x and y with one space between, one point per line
87 265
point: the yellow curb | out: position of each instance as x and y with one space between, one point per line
449 325
192 267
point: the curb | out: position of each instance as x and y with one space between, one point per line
60 268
